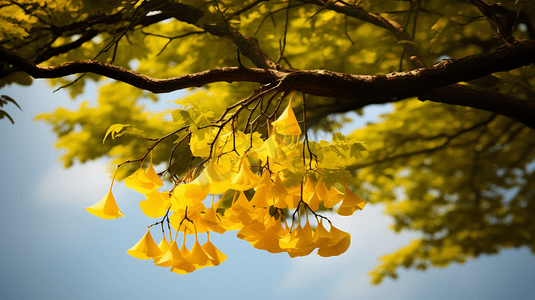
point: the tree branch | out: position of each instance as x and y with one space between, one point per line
248 46
351 91
514 108
449 138
84 29
358 12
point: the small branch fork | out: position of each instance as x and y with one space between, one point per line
225 119
307 208
156 142
165 218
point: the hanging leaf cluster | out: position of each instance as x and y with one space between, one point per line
269 190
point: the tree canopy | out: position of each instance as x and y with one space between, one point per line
454 160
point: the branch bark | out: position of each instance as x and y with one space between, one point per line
352 91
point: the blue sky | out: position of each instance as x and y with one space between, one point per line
51 248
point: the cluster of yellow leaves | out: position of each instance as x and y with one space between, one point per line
181 261
261 220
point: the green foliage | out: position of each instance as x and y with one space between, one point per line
4 100
465 185
461 177
118 130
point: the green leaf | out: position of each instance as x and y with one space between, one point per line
4 99
118 130
193 111
200 141
4 114
357 148
181 117
331 158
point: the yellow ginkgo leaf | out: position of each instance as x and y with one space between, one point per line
308 188
242 203
218 176
287 123
249 233
183 269
140 182
265 180
228 224
278 189
274 225
292 201
143 182
305 245
249 218
350 203
156 204
198 256
271 236
164 247
279 193
146 248
198 189
217 256
330 197
172 257
164 244
276 152
268 242
184 250
189 194
339 243
211 220
290 240
187 266
106 208
269 148
322 237
293 197
313 201
245 179
260 198
151 174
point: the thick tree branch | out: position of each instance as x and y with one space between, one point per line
514 108
352 91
